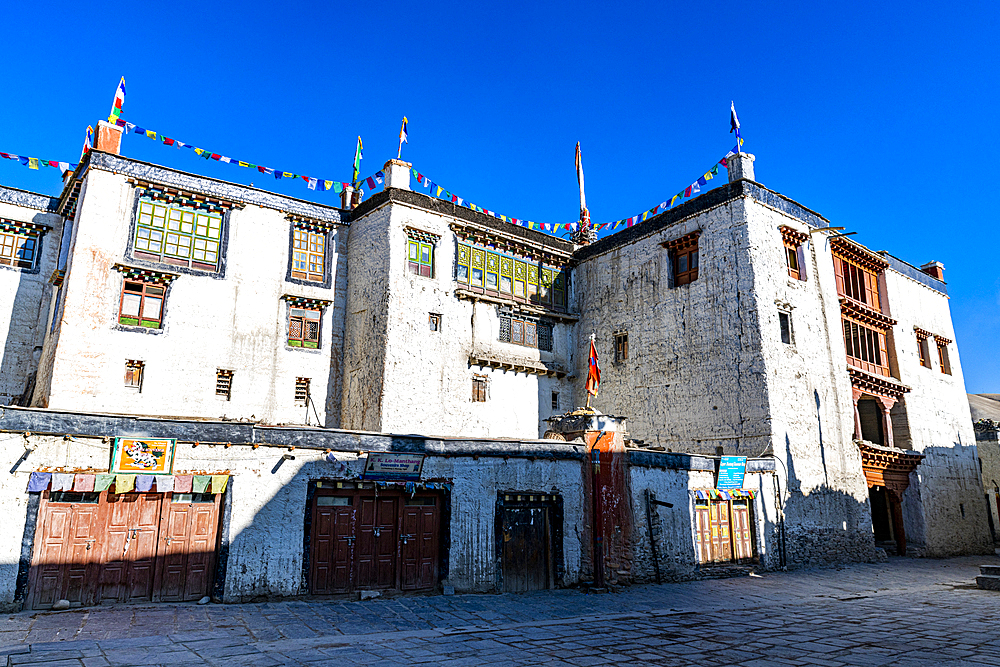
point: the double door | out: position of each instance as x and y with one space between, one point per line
93 548
723 531
360 541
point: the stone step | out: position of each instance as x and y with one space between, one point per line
989 569
988 582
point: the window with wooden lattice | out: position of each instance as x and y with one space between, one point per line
525 331
621 346
684 258
480 388
308 253
793 242
178 234
303 327
224 383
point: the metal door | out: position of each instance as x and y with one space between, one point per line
419 544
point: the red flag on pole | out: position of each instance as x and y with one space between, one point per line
594 373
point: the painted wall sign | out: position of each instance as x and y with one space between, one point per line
391 467
143 456
732 470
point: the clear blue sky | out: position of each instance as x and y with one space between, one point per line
880 116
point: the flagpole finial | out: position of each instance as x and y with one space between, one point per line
402 139
585 234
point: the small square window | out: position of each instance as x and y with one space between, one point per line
621 346
684 258
480 388
434 321
224 383
785 322
302 391
133 374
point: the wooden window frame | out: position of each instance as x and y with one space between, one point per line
421 248
134 371
302 388
146 291
301 317
526 332
785 327
480 388
224 383
309 248
685 261
621 346
555 401
923 348
944 358
434 322
160 226
865 347
793 241
19 246
513 277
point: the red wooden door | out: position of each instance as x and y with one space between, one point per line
721 546
332 537
375 555
419 544
187 542
65 553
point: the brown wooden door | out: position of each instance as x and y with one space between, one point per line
742 539
419 544
65 553
376 547
332 536
128 561
703 533
188 532
526 554
721 545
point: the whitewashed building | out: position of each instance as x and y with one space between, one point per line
282 342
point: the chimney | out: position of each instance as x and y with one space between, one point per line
109 138
740 166
397 174
347 198
934 270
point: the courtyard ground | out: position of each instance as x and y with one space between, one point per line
906 612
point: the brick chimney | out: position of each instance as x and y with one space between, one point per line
397 174
934 270
109 138
740 166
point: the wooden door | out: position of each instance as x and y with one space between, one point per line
719 516
128 557
375 555
65 551
526 556
742 538
332 536
419 544
703 532
187 539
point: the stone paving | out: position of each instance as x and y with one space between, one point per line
904 613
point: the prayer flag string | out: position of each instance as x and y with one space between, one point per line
36 162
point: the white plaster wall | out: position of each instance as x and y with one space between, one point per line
234 321
944 505
24 304
812 412
695 378
265 526
427 383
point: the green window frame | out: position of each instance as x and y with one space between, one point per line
478 274
178 235
523 279
420 258
492 271
303 327
463 263
506 275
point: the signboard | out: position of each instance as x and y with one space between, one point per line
392 467
732 470
134 456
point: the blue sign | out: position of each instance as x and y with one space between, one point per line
732 470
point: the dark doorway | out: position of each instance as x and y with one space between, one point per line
872 428
360 540
881 521
529 534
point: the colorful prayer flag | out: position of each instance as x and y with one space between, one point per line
116 106
357 161
88 141
593 371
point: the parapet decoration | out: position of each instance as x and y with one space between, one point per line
314 225
183 197
305 302
145 275
15 226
